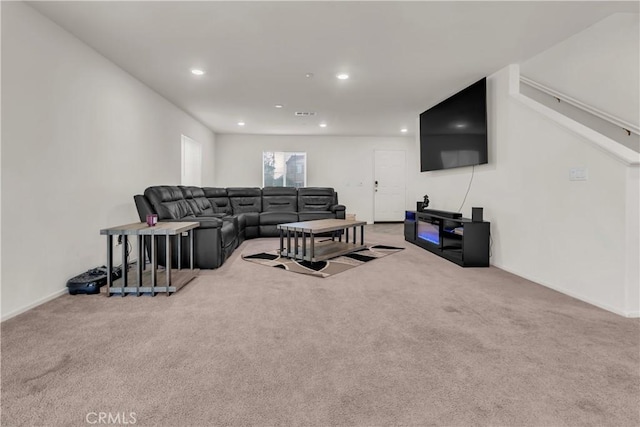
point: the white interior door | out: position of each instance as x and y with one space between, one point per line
191 162
390 185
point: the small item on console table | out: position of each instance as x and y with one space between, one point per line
152 220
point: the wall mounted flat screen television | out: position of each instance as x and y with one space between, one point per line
454 132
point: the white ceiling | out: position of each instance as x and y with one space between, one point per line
403 57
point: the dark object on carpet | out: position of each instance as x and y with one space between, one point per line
323 268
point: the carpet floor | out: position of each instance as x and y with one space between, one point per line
410 339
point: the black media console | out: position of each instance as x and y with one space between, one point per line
459 240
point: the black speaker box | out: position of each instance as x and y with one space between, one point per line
476 214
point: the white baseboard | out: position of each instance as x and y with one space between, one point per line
34 304
572 294
45 299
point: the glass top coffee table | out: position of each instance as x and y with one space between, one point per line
305 247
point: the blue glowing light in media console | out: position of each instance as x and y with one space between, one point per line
430 236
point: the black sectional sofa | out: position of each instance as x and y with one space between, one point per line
228 216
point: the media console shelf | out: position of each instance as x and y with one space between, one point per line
460 240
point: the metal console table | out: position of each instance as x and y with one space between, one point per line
146 279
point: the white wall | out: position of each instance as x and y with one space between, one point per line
568 235
80 137
598 66
345 163
579 237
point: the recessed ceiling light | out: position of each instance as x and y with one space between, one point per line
404 130
308 75
241 123
197 71
278 105
343 76
323 125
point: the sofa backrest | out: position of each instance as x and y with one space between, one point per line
315 199
279 199
218 199
200 205
244 199
168 202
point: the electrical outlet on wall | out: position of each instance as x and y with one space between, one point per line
578 174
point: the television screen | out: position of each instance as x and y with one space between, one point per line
454 132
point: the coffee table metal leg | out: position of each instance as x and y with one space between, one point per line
312 247
362 234
304 245
109 263
354 235
191 249
168 262
347 236
288 243
180 251
281 241
295 244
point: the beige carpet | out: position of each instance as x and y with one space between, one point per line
410 339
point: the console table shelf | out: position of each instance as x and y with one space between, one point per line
459 240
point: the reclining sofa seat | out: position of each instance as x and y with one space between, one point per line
246 203
202 207
219 202
279 206
319 203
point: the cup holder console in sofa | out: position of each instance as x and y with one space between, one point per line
228 216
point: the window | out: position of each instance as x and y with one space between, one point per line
284 169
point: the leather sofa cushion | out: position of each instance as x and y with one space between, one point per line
272 218
252 223
199 203
279 199
168 201
245 199
218 199
229 234
250 219
316 199
311 216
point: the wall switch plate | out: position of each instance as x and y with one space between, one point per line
578 174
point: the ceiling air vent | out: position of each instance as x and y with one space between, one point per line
304 113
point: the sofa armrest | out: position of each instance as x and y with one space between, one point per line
336 208
143 206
